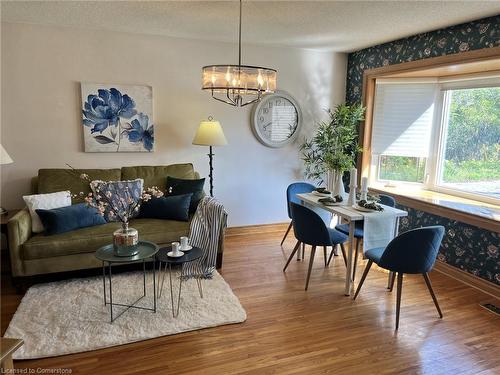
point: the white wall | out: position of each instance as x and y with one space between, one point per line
42 68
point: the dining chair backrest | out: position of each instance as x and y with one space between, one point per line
387 200
293 190
414 251
308 226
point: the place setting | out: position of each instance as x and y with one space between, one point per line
326 197
180 248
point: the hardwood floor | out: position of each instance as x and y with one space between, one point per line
290 331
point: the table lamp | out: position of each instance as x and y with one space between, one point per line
210 134
4 159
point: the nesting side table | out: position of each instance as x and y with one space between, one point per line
147 250
189 256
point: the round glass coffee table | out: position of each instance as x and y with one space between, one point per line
189 256
147 251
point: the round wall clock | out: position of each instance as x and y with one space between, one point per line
276 119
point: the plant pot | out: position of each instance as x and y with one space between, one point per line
125 241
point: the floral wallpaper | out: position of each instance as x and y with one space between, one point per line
479 34
469 248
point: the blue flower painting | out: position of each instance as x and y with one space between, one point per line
141 131
117 118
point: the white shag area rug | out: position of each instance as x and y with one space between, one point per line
69 316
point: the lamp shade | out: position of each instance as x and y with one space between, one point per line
209 133
4 156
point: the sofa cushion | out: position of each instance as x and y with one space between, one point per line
52 180
178 186
45 202
66 219
119 197
157 175
88 240
167 208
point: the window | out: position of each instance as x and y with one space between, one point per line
471 141
402 128
441 135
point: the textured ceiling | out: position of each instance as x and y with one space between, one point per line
333 25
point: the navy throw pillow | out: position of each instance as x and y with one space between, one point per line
178 186
167 208
65 219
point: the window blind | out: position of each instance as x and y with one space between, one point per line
403 116
469 83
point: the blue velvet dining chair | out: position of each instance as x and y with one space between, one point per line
412 252
310 229
386 200
291 196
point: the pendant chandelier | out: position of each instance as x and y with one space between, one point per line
238 85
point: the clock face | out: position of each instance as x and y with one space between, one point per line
276 119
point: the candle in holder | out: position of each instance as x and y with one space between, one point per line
352 187
364 187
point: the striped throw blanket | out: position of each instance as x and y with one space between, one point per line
207 227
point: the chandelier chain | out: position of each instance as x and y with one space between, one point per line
239 39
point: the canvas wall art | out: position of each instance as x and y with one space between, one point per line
117 118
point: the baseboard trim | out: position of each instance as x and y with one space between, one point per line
468 279
256 229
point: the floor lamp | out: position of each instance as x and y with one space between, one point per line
4 159
210 134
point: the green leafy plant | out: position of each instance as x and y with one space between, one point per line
335 145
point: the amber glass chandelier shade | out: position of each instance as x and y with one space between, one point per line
248 80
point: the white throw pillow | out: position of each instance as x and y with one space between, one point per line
45 202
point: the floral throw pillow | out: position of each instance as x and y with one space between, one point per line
118 197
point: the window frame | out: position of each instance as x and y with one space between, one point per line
435 160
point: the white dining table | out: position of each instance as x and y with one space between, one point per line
351 215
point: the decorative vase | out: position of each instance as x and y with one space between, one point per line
335 184
125 241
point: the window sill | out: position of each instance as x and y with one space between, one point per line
468 211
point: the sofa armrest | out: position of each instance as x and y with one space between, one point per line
19 230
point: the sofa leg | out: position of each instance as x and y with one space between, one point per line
218 263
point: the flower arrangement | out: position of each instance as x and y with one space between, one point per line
119 203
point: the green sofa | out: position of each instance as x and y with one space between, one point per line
35 254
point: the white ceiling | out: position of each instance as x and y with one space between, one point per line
333 25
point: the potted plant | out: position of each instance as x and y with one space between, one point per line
333 149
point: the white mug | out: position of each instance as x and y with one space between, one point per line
175 248
184 242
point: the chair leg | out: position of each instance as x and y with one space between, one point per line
297 246
311 261
342 248
331 255
392 277
303 250
325 256
286 233
300 256
398 300
355 259
431 291
367 268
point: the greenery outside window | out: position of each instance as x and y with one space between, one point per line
401 168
